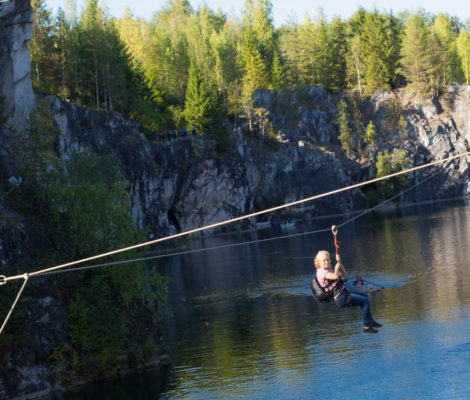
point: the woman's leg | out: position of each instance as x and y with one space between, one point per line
362 300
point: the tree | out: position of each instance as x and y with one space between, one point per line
278 80
258 25
342 121
314 51
370 134
389 163
290 46
103 304
463 49
356 63
61 44
41 48
445 56
196 106
416 62
254 77
358 126
375 49
403 126
336 65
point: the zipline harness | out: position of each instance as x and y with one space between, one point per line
47 271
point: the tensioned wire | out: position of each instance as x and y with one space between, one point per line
236 219
56 269
178 253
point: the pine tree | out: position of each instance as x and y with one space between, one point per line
416 62
258 24
196 106
337 50
342 121
278 80
290 47
375 50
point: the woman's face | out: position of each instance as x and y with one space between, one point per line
324 260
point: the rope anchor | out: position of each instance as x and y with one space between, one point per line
334 230
3 280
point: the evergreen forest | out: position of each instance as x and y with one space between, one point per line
200 67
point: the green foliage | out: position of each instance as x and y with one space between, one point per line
272 141
41 48
415 56
463 49
196 108
389 163
89 208
370 134
278 80
143 68
375 50
444 53
342 121
392 116
358 126
403 126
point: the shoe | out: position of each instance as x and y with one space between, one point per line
369 329
375 324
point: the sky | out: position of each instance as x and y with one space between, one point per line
282 9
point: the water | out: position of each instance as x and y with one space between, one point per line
242 324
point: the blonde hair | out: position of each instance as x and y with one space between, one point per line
315 260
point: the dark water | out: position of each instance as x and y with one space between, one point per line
242 324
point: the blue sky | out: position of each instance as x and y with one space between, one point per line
283 8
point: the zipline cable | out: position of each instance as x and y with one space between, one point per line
178 253
4 279
181 253
388 200
25 277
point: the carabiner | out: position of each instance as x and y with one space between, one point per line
334 230
3 280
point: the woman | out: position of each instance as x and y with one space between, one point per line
330 279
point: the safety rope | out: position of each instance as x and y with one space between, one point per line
25 277
48 271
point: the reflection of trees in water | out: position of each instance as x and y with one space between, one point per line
433 250
448 280
241 332
248 338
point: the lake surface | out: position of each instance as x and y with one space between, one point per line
242 324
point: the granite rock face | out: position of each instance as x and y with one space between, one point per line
183 184
16 17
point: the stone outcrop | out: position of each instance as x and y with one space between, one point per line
16 17
183 183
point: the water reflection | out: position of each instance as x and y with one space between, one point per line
242 323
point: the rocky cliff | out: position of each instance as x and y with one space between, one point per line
16 94
183 183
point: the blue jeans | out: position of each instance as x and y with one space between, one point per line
356 299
